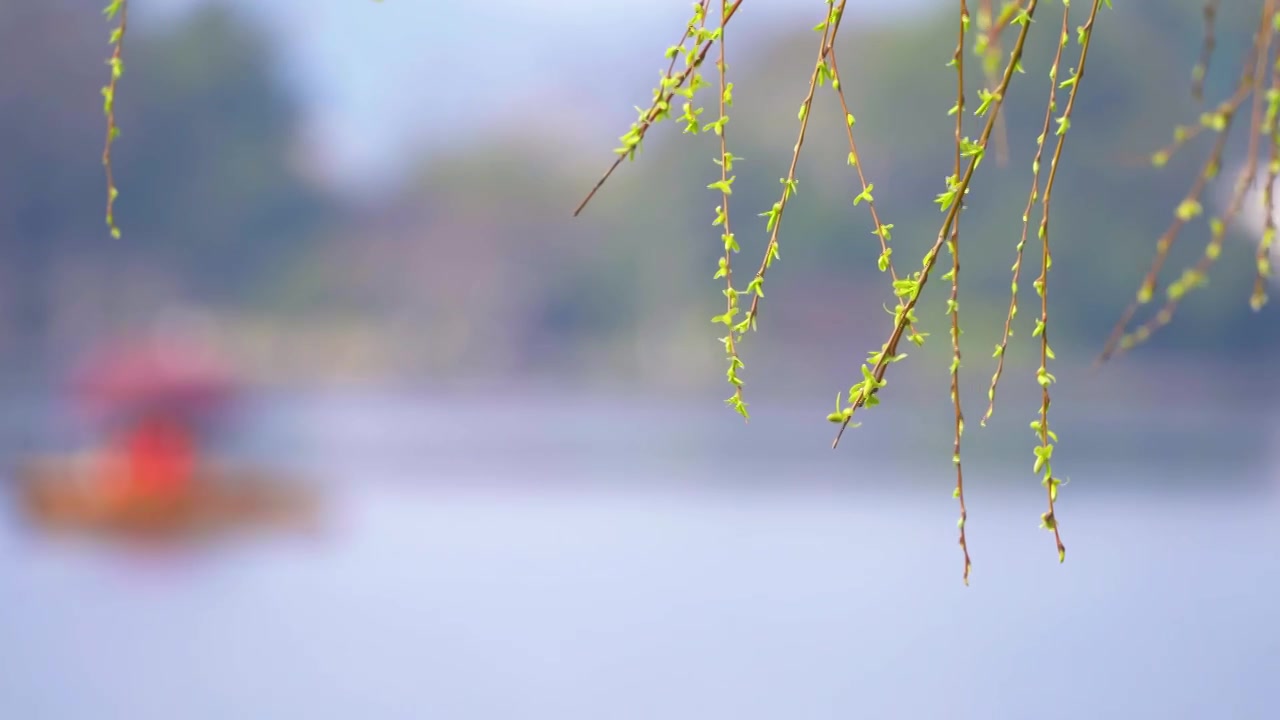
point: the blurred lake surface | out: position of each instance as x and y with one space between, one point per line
553 559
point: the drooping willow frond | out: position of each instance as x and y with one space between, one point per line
968 155
118 11
1251 85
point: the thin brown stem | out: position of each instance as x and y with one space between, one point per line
726 165
1032 195
1263 259
855 159
661 102
954 305
1201 69
774 224
990 27
1190 207
1045 379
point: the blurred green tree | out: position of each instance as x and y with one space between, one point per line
216 204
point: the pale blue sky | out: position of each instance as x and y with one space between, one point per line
382 79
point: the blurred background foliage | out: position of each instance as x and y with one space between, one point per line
473 267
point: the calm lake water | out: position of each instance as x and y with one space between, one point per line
481 565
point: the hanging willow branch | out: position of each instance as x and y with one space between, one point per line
951 201
117 10
1221 120
968 155
953 303
1197 276
1044 453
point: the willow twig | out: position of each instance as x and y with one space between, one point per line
116 9
661 104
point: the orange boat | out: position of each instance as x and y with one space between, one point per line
153 476
68 494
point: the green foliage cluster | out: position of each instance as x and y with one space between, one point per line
999 68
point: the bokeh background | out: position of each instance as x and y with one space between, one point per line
536 503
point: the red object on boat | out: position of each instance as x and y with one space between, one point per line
183 378
158 457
